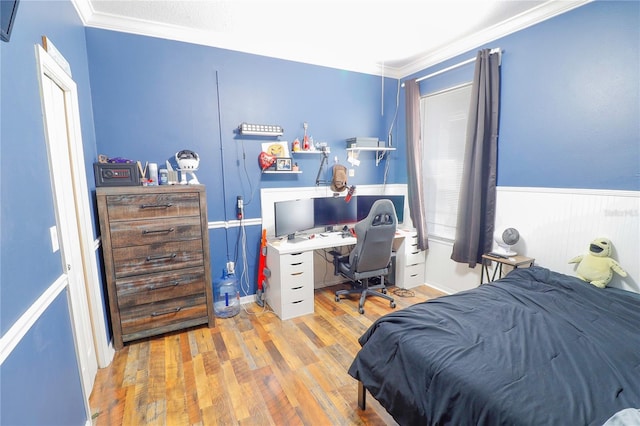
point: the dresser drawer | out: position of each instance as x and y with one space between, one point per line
152 288
161 317
149 231
160 257
152 205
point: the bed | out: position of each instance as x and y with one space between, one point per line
536 347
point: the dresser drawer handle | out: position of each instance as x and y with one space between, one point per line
159 231
156 206
166 256
159 286
170 311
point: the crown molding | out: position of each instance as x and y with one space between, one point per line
519 22
227 41
550 9
84 9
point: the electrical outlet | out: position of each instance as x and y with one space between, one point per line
231 268
352 172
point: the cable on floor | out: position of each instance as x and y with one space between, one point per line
403 292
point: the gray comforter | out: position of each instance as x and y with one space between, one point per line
535 348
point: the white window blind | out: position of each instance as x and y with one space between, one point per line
444 125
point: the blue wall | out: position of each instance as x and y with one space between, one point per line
570 99
153 97
40 381
569 119
28 266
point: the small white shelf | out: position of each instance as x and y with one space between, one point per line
315 151
371 148
379 150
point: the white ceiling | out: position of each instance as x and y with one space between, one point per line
390 37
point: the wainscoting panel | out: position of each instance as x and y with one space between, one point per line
556 225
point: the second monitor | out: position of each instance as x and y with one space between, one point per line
329 211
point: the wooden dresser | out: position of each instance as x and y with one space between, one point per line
155 244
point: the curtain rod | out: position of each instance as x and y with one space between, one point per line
459 64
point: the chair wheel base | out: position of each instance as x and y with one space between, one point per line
392 304
337 298
361 310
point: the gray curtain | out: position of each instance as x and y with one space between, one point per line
414 162
477 204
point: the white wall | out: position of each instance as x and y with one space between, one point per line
555 225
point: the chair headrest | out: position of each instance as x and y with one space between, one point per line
382 212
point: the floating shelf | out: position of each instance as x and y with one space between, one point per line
371 148
379 150
315 151
282 172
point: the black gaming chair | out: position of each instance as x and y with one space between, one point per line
371 255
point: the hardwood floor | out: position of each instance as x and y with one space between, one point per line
251 369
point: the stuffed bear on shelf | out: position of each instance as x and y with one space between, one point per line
596 267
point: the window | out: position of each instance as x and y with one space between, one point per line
444 126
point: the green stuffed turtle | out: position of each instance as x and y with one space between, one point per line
596 267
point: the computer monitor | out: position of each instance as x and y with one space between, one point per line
365 202
293 216
329 211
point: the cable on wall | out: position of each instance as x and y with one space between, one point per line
224 192
395 117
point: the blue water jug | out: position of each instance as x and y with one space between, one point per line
226 296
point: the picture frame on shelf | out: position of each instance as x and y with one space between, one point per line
283 164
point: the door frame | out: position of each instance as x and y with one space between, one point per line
90 295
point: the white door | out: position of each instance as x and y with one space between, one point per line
61 118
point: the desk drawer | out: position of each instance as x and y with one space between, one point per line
296 292
413 275
297 308
414 256
297 265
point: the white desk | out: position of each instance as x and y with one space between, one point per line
290 287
